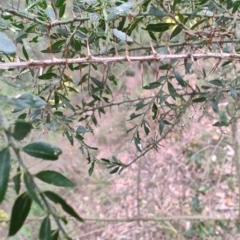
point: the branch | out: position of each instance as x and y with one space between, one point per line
4 124
112 104
179 44
33 18
106 60
144 219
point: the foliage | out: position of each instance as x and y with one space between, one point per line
53 51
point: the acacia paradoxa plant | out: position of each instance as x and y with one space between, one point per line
51 50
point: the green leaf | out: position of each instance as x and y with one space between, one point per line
155 111
69 136
146 128
179 78
17 180
31 189
165 67
54 178
133 115
159 27
62 10
50 13
200 99
138 145
153 37
5 166
97 82
233 92
172 91
7 45
129 130
47 76
188 65
215 106
198 23
60 3
176 31
45 230
22 116
161 126
90 170
220 124
156 12
27 100
19 213
218 98
140 105
25 53
82 129
56 47
227 62
235 6
123 8
115 170
223 117
152 85
68 104
21 129
42 150
67 208
121 35
55 234
216 82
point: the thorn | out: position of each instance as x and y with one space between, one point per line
115 47
127 57
89 56
153 50
167 46
127 54
215 67
142 73
40 71
104 71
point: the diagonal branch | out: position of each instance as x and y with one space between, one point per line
33 18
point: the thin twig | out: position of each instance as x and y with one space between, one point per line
33 18
145 219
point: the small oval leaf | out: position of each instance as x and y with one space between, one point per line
6 44
21 129
216 82
115 170
5 166
82 129
67 208
27 100
172 91
176 31
159 27
19 213
31 189
121 35
42 150
54 178
152 85
200 99
179 78
45 229
17 180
